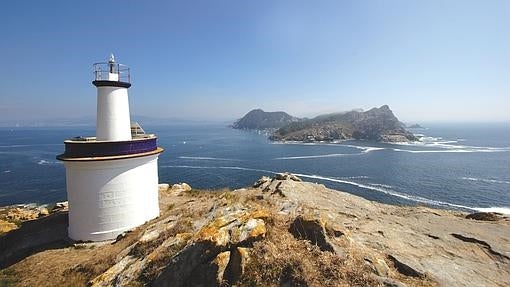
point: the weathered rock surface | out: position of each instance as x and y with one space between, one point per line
485 216
223 234
6 226
418 241
281 232
179 188
285 176
60 206
313 230
11 217
23 214
163 187
263 182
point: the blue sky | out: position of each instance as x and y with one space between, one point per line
216 60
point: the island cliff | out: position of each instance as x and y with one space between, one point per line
280 232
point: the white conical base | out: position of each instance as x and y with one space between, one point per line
109 197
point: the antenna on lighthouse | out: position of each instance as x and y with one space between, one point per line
111 63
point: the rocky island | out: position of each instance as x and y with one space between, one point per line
260 120
377 124
415 126
279 232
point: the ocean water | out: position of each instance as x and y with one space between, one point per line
463 167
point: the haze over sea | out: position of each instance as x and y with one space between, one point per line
458 166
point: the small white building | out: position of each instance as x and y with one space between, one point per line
112 178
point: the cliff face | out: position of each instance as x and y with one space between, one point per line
260 120
280 232
377 124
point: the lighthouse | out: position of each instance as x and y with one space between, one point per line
112 178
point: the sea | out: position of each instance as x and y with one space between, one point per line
455 166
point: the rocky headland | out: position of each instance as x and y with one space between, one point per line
376 124
279 232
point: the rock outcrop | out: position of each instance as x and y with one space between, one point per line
280 232
486 216
11 217
6 226
206 257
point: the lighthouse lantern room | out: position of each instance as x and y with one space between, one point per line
112 179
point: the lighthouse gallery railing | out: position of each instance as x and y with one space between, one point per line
103 69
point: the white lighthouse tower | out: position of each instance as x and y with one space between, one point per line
112 179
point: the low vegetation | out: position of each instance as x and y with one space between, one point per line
281 232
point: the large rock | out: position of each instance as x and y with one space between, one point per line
239 258
287 176
263 182
312 229
163 187
6 226
485 216
252 230
210 273
378 265
225 233
130 264
22 214
60 206
221 262
179 188
108 277
43 211
407 266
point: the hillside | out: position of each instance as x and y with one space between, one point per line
377 124
280 232
259 120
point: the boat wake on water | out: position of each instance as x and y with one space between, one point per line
385 189
364 150
427 145
317 156
486 180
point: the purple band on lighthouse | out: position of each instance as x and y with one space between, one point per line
83 149
106 83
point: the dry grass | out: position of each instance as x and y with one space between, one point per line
82 273
282 258
170 206
278 259
158 264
